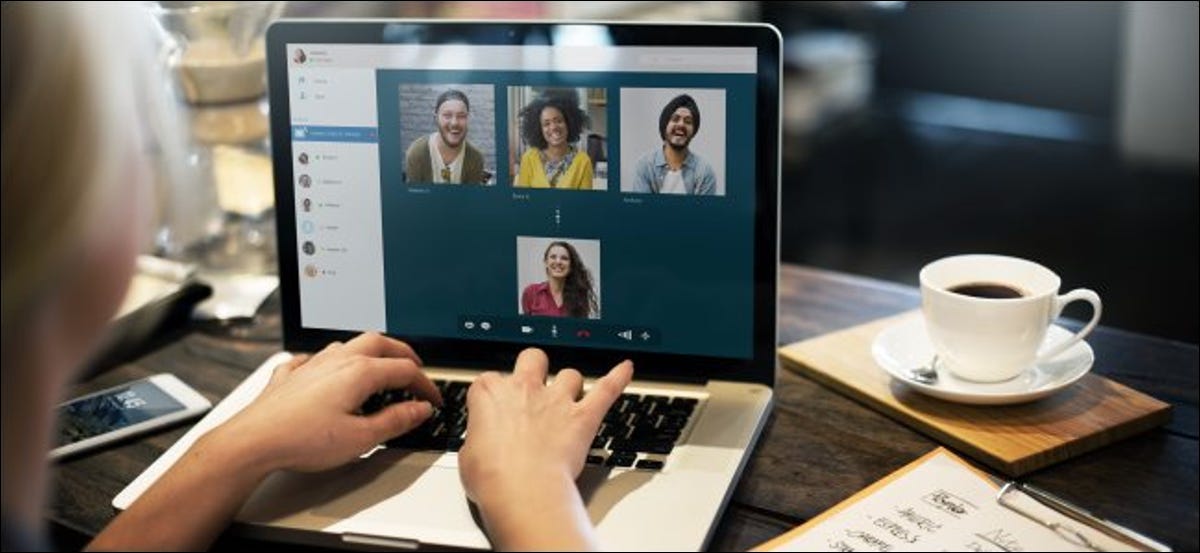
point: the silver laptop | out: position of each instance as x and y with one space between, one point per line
671 262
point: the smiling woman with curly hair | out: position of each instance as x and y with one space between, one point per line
550 125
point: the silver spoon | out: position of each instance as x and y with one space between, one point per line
925 374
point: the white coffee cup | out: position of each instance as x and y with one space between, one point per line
993 327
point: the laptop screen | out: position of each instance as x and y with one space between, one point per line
568 191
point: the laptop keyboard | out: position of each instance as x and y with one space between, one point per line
638 431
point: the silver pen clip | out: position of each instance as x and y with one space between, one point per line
1075 513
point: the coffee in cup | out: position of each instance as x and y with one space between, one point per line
989 290
987 315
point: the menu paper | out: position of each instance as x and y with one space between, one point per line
941 503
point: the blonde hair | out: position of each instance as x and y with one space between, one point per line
74 79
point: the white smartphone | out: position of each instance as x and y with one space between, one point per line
122 411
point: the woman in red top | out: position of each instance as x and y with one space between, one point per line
567 291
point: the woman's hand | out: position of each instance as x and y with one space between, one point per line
526 444
306 419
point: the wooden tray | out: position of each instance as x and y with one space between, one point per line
1014 439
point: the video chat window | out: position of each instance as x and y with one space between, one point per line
558 277
558 138
673 141
448 133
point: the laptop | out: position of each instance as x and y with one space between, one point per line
456 254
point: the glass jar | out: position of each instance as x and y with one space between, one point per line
218 210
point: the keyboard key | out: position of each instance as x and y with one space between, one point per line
666 422
686 402
621 459
661 448
653 404
650 464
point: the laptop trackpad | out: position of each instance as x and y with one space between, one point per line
391 493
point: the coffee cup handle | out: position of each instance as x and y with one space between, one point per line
1059 303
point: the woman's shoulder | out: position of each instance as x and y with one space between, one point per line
531 154
536 287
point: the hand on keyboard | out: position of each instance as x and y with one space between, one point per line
308 419
526 443
637 430
520 425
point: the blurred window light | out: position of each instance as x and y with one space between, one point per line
581 35
594 37
1001 117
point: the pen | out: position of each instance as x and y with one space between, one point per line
1074 512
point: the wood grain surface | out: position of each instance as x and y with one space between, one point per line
1014 439
818 448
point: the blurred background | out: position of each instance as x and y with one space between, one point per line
1061 132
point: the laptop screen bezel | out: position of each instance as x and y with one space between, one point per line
498 355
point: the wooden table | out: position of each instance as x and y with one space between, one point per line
818 448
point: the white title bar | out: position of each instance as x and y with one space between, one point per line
657 59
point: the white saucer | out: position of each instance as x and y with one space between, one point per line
905 345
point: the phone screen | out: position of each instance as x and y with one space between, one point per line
120 407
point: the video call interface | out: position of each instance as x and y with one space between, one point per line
549 195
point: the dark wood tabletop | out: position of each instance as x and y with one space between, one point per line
818 447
